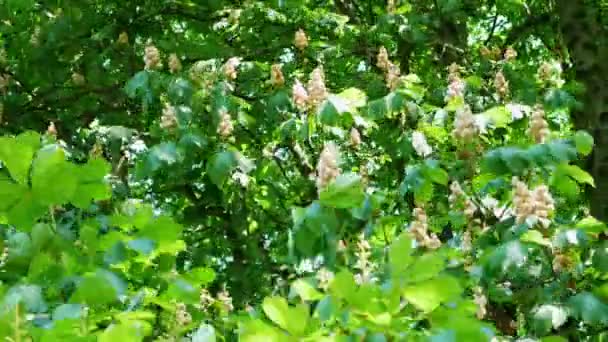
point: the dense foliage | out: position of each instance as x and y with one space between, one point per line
294 170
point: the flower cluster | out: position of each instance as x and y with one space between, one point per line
465 129
355 137
151 57
420 144
317 92
456 85
300 40
78 79
327 167
299 95
392 73
456 195
230 68
123 38
168 119
182 316
363 263
225 126
419 228
510 54
537 203
324 277
501 84
480 299
539 128
175 65
276 76
314 93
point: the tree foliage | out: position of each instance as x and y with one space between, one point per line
294 170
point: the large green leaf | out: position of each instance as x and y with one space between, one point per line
54 180
428 295
590 309
17 156
220 166
346 191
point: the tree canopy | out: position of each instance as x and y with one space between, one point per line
300 170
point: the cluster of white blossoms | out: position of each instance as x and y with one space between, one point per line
123 38
355 137
510 54
314 93
230 68
4 256
225 127
299 95
175 65
527 204
168 119
456 85
480 299
324 277
456 195
151 57
550 72
420 229
363 263
52 130
538 128
300 40
328 166
421 146
78 79
276 75
182 316
501 84
225 299
465 129
392 73
317 92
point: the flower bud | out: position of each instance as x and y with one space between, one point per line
175 65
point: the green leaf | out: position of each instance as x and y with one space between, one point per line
536 237
138 85
399 254
10 193
53 179
576 173
42 234
68 311
592 225
28 295
425 267
499 116
354 97
204 333
429 294
17 157
276 308
220 166
547 317
584 142
343 285
435 172
306 291
590 309
91 184
161 229
95 290
346 191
